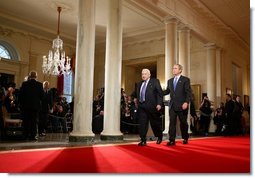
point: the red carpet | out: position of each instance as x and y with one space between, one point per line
209 155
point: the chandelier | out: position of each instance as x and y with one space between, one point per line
56 63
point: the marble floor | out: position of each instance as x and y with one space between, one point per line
52 140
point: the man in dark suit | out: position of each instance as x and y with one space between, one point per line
180 94
47 107
150 99
31 94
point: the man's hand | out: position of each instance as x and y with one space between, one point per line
158 107
185 106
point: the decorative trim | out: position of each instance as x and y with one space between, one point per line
202 10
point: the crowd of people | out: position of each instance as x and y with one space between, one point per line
40 106
37 105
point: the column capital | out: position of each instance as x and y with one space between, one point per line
210 46
184 29
170 19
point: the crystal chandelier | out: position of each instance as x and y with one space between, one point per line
57 63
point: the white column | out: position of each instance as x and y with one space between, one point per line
184 57
113 66
184 50
211 71
218 77
211 77
170 58
84 74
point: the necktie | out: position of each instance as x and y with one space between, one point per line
143 89
175 82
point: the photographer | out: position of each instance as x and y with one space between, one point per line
219 117
205 115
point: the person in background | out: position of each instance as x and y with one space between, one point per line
229 115
2 93
205 115
47 107
30 97
219 117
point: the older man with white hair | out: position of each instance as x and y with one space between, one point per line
150 99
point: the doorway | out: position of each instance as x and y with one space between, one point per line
132 74
6 80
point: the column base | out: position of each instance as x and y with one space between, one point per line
112 137
165 135
86 139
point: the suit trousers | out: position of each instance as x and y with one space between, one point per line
43 121
183 123
30 123
145 116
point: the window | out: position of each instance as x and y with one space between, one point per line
4 53
7 51
68 87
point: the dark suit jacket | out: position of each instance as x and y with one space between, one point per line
153 94
47 101
31 94
181 94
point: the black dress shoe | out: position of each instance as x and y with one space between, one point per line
185 141
159 141
170 143
142 143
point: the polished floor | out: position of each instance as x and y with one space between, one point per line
52 140
57 140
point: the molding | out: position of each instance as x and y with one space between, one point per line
146 59
7 31
147 40
147 7
203 11
30 28
10 61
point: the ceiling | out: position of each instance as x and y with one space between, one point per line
40 17
234 13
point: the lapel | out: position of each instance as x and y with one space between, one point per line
172 84
139 87
149 85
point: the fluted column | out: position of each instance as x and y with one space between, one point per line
170 58
84 74
184 50
211 71
113 66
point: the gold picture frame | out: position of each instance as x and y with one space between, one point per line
196 92
246 100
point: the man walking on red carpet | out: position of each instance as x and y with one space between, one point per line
150 98
180 93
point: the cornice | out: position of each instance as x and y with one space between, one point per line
147 40
33 27
213 20
148 7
